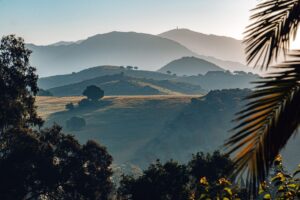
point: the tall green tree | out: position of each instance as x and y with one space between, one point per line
272 115
93 93
18 85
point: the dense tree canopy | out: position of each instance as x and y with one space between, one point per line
18 85
160 182
53 165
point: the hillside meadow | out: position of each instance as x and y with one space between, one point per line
124 123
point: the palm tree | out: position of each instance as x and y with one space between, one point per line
272 115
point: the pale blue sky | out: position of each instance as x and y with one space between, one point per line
48 21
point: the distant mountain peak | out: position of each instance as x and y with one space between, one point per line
189 65
222 47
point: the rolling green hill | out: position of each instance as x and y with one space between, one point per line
94 72
119 84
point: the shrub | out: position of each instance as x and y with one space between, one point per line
75 124
42 92
84 103
70 106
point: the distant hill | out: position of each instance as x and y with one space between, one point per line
119 84
221 47
222 80
140 129
209 81
190 66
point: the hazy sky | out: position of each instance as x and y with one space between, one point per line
48 21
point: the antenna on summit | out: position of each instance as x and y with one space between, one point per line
177 27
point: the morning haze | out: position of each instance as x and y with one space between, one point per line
149 100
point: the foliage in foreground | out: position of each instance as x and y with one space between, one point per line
282 185
18 85
52 165
41 164
272 115
174 181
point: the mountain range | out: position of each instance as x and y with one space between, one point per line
149 52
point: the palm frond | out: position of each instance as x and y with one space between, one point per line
275 26
268 121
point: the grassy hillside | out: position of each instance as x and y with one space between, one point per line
125 125
123 85
94 72
140 129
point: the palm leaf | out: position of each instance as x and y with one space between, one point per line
268 121
275 26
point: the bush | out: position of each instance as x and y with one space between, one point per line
75 124
70 106
84 103
45 93
282 184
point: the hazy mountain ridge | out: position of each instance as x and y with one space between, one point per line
221 47
115 48
149 52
